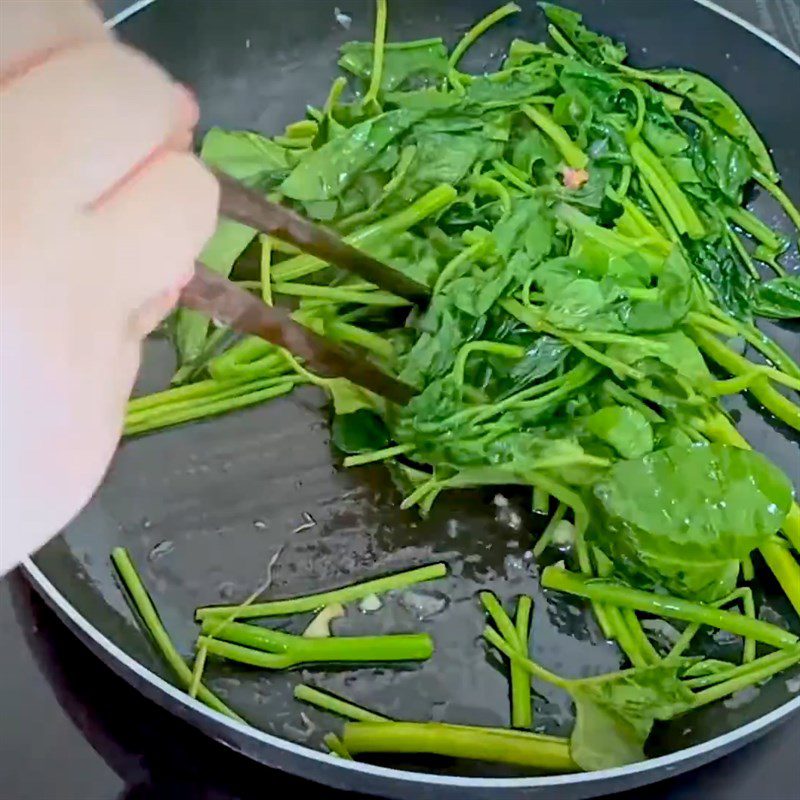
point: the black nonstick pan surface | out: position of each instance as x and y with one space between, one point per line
204 508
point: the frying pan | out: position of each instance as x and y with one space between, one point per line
203 508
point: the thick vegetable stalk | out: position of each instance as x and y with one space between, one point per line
261 647
374 733
143 605
313 602
516 635
783 408
460 741
666 606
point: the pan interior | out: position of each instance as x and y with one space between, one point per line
204 508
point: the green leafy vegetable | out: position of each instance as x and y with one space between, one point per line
779 298
593 269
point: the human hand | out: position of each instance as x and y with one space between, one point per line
102 212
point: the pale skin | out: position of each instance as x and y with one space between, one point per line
103 210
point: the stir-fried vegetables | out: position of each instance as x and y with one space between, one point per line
581 226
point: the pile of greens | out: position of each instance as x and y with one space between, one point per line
594 274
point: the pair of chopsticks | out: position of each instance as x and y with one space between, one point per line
240 310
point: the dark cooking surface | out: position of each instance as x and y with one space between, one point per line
71 730
141 741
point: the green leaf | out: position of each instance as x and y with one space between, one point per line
439 158
720 269
529 227
221 251
406 65
359 432
594 47
779 298
512 87
349 398
247 156
614 714
624 428
698 503
714 103
325 173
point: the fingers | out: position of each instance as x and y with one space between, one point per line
31 31
104 109
156 225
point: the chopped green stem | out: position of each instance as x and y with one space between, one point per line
477 30
377 52
460 741
300 650
562 42
751 674
337 87
646 648
732 385
336 746
772 400
531 667
779 357
192 391
659 211
572 499
211 409
335 294
620 369
483 184
511 351
776 354
734 239
335 705
547 534
521 708
677 205
665 606
785 569
510 174
353 334
431 202
633 134
635 224
788 206
749 649
624 637
347 594
377 455
152 623
739 365
500 619
626 398
540 502
247 655
454 265
622 190
230 389
197 670
735 671
683 642
751 224
716 325
573 155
